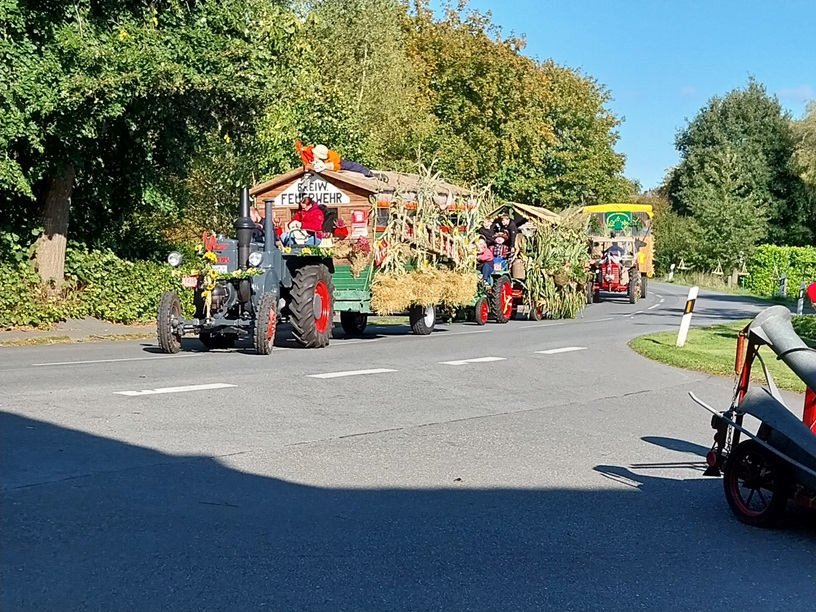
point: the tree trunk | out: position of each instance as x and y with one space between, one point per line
50 248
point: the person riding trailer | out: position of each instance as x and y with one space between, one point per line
306 226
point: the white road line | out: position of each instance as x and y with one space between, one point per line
637 313
57 363
566 349
653 306
175 389
573 321
475 360
351 373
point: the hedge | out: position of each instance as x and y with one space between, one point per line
769 262
97 284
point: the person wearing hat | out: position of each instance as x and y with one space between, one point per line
328 159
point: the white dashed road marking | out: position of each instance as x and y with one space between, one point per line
176 389
475 360
566 349
58 363
351 373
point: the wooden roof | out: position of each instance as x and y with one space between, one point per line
396 181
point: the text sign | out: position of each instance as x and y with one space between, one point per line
322 191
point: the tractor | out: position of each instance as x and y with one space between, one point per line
246 286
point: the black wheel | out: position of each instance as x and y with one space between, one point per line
266 324
353 323
502 299
756 484
537 313
644 281
217 341
168 317
632 290
596 297
312 306
590 292
422 319
482 311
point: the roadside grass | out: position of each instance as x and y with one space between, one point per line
48 340
712 350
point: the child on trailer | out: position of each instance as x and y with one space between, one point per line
485 259
501 251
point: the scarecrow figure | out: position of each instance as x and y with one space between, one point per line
320 157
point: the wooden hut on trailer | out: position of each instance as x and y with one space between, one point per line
368 207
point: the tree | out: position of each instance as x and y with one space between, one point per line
104 99
804 157
730 215
750 128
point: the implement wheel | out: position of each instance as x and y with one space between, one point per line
266 323
353 323
169 314
756 484
502 299
312 306
422 319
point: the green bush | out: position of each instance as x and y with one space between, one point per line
805 326
98 284
769 262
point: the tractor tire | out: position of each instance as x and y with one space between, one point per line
749 470
353 323
644 281
590 292
596 297
422 319
312 306
482 311
216 341
169 308
502 299
537 314
632 290
266 324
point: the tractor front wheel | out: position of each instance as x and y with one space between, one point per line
266 323
644 281
482 311
353 323
502 299
168 316
312 306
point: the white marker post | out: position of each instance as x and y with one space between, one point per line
800 303
671 273
685 323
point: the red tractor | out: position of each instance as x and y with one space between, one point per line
617 271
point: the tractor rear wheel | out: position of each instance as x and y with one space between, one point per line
353 323
312 306
633 290
422 319
266 323
216 341
482 309
502 299
169 313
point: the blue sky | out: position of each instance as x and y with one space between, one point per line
663 59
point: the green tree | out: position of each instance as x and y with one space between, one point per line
102 101
750 128
804 157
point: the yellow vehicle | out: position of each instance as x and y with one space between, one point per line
629 226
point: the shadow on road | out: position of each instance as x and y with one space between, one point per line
94 523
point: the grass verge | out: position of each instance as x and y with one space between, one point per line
712 282
46 340
712 350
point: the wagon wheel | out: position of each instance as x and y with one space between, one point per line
756 484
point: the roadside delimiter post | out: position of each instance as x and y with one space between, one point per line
685 323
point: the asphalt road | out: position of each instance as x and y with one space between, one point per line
535 478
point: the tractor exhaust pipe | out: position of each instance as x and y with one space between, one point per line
269 228
244 227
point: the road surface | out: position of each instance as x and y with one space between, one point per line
527 466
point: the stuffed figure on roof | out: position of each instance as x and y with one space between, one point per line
320 158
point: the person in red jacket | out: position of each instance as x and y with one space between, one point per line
306 226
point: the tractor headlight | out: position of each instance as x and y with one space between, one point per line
255 259
174 259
